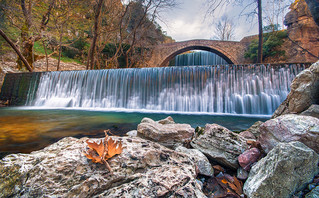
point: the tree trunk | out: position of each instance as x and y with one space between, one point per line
90 63
260 24
26 38
60 48
46 55
26 48
16 50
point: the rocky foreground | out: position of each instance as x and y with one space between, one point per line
278 158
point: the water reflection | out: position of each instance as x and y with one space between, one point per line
29 130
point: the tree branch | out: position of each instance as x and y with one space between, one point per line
16 50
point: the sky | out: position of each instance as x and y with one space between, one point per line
187 21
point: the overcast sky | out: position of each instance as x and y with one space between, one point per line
187 21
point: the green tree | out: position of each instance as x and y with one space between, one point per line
271 47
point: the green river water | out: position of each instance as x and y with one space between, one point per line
25 130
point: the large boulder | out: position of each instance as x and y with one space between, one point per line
289 128
304 92
165 132
143 169
254 129
286 169
201 161
313 111
313 6
220 145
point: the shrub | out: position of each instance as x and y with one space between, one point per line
270 46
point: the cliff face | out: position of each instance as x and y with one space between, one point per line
302 44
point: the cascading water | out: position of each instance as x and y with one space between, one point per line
253 89
198 58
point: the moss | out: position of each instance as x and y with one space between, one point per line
11 180
199 131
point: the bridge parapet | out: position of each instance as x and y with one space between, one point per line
231 51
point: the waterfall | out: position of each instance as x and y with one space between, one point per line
235 89
197 58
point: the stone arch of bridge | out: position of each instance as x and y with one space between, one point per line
195 47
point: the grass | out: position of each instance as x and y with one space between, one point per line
39 49
68 60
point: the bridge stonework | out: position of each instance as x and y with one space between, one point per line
231 51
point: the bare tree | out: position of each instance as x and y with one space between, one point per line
133 28
21 15
96 32
16 50
256 5
224 29
274 12
260 35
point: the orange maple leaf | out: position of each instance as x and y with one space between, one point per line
91 154
113 148
99 148
103 151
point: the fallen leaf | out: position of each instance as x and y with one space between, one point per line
218 169
99 148
113 148
100 153
231 185
91 155
239 186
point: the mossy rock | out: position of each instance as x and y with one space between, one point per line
11 180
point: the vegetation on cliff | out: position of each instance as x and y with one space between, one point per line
271 46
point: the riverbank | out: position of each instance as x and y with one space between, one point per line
275 158
8 65
167 159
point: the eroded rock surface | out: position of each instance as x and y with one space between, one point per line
201 161
221 145
289 128
313 111
143 169
286 169
254 129
165 132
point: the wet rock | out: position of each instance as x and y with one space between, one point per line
314 193
168 120
143 169
147 120
204 167
254 129
304 92
313 111
289 128
132 133
287 168
248 158
221 145
169 135
247 135
212 188
242 174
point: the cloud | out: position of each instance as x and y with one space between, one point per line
187 21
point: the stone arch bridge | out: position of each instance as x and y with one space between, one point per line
231 51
